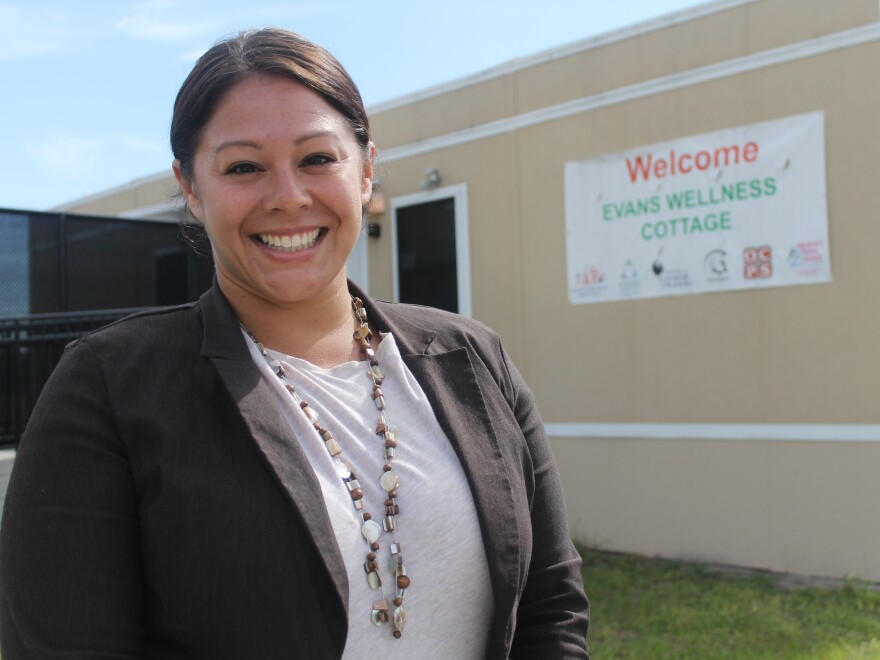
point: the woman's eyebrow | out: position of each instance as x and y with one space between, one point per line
235 143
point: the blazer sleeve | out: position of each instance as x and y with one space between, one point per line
70 557
553 614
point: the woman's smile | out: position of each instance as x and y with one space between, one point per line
290 242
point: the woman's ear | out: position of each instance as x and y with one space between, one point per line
188 188
367 180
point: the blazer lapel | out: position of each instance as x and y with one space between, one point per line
224 345
448 379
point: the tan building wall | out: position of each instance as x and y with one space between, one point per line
155 196
735 427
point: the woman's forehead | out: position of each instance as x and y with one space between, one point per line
277 106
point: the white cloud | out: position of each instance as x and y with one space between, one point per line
26 34
161 20
67 157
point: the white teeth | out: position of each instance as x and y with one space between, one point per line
292 243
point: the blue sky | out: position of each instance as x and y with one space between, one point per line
86 88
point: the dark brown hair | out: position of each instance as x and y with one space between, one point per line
270 51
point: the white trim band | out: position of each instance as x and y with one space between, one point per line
772 57
801 432
167 208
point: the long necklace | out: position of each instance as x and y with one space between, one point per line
381 613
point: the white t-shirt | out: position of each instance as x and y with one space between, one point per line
449 602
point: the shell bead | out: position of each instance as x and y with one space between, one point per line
371 531
342 469
379 614
389 481
398 618
374 580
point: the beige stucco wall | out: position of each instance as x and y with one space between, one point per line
158 190
801 507
795 355
792 355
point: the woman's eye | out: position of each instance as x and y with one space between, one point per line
242 168
317 159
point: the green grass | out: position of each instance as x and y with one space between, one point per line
650 608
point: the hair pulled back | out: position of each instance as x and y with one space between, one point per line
269 51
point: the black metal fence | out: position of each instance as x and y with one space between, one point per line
53 266
30 347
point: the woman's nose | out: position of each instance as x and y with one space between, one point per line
287 191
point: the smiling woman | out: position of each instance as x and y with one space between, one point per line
242 477
276 167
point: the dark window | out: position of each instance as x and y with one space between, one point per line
426 257
55 262
14 267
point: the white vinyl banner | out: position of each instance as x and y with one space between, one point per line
736 209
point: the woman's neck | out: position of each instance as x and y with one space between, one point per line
318 330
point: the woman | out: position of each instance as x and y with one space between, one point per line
243 477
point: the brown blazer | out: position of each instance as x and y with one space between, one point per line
160 507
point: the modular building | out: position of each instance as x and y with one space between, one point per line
673 229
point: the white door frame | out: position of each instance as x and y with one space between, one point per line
462 238
357 268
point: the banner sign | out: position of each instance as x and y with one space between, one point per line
736 209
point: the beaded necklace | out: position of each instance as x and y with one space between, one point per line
381 613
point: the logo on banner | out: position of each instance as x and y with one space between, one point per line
590 282
758 263
657 266
629 272
805 258
670 278
715 266
630 284
590 276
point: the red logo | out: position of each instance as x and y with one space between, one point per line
590 276
758 263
